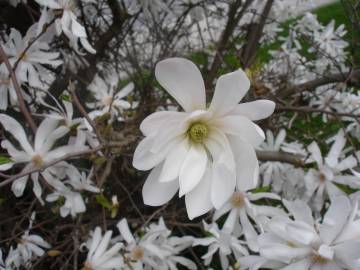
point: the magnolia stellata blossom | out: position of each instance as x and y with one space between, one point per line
329 171
68 23
107 100
304 244
31 245
38 155
222 241
29 68
202 152
240 207
100 256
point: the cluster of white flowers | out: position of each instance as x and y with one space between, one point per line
28 248
298 209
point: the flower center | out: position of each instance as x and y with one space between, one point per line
37 161
322 177
198 132
237 200
137 253
317 259
107 100
87 266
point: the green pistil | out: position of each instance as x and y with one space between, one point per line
198 132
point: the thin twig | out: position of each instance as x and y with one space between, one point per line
24 110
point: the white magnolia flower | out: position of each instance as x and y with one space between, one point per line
240 208
38 155
31 245
330 40
29 68
144 251
100 256
68 23
221 241
12 261
329 171
202 152
301 243
107 99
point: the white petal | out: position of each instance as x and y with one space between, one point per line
183 81
223 184
247 165
174 161
241 127
156 193
255 110
198 201
335 219
316 153
192 169
125 91
125 232
156 121
230 89
16 130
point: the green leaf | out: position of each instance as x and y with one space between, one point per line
65 97
261 189
5 160
103 201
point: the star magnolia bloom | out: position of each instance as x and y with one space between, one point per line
35 156
301 243
222 241
240 207
330 171
99 256
68 22
202 152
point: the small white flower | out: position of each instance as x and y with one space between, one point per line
29 68
34 157
68 23
330 170
100 256
301 243
222 241
108 100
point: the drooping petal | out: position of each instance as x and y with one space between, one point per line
183 81
192 169
255 110
230 89
198 201
223 184
156 193
247 165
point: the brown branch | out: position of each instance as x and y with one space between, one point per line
353 79
233 20
22 106
296 160
255 31
310 110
